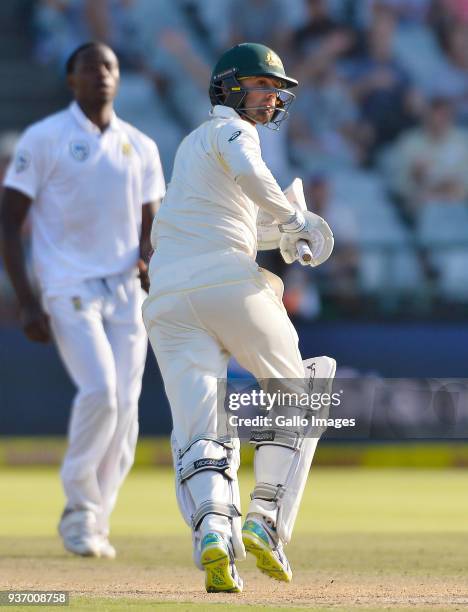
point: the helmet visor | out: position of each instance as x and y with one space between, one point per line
270 114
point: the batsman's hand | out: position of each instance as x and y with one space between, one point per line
35 323
143 275
318 235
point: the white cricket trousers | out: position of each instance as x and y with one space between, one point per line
202 311
101 339
199 313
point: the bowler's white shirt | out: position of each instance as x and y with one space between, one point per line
218 183
88 189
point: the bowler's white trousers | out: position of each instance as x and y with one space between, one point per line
101 339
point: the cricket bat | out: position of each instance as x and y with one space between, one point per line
295 194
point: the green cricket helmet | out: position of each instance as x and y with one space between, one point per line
250 60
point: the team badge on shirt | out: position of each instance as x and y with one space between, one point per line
77 303
127 148
79 150
22 161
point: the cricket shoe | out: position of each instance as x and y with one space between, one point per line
107 551
260 541
218 561
79 533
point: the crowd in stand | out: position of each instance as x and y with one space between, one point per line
378 131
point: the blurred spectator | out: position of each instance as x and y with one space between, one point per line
188 78
62 25
442 230
179 46
458 8
429 162
380 84
325 51
452 76
325 122
416 46
342 271
211 21
262 21
359 14
408 11
429 165
339 276
320 200
449 11
318 25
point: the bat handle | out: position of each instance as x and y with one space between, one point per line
303 251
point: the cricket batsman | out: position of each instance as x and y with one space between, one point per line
209 301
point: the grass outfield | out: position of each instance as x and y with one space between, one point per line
364 539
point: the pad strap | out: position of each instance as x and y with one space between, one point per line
212 507
289 439
294 224
206 463
268 492
225 441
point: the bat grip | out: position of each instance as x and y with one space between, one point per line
303 251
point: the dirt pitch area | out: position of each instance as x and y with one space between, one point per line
417 559
343 572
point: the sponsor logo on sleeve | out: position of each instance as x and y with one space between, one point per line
79 150
22 161
235 135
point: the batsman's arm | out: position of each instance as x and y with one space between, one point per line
14 208
147 216
240 151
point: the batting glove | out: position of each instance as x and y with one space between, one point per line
315 231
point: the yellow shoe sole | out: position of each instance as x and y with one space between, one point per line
218 578
266 561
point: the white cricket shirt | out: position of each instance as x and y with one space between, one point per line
88 189
218 183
